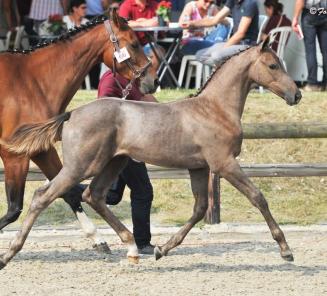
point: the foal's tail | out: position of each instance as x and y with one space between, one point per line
32 138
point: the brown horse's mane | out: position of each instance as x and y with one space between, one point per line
218 67
70 33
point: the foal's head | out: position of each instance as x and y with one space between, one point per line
138 64
268 71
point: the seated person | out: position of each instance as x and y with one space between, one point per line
245 14
76 16
135 174
196 39
274 10
141 13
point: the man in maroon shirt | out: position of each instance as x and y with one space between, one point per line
142 13
135 174
139 13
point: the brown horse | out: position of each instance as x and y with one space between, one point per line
200 133
47 77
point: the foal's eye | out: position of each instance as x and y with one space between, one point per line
273 66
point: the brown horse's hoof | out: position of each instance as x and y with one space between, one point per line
287 256
102 248
2 264
133 259
157 252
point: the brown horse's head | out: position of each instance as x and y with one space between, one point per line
137 62
268 71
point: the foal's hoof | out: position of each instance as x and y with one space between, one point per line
157 252
133 259
287 256
2 264
102 248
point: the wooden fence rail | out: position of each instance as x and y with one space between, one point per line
251 131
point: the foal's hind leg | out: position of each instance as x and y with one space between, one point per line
199 183
95 196
234 174
50 164
41 199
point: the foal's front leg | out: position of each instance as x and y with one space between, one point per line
233 173
199 183
95 195
50 164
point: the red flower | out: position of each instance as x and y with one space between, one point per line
55 18
165 4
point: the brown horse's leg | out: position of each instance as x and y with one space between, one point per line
42 198
199 183
233 173
50 165
16 168
95 195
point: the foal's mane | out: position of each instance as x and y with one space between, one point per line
65 36
218 67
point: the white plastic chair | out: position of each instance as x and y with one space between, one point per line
284 33
2 45
7 41
185 60
195 68
18 37
263 19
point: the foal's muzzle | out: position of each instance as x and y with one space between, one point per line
293 99
298 97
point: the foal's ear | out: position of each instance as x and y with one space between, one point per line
265 44
118 21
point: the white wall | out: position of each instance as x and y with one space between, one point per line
294 53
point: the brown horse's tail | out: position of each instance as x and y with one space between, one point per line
32 138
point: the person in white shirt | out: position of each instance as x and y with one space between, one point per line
76 16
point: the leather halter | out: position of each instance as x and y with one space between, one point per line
137 73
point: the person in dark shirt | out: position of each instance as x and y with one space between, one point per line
274 10
135 174
245 14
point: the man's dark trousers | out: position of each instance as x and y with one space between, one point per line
313 26
136 177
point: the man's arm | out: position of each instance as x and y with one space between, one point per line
299 5
241 31
142 22
125 12
208 22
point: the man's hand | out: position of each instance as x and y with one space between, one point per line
299 5
188 25
295 24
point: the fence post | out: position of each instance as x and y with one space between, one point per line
213 212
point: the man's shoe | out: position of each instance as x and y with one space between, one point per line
146 249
